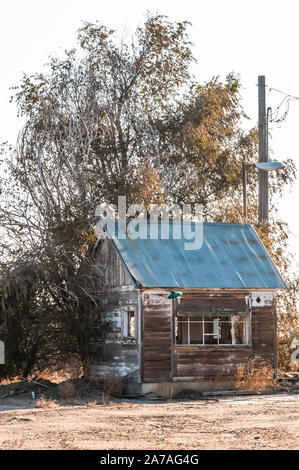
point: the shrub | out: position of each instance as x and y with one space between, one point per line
43 402
256 375
113 386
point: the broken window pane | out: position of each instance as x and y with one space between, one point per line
225 332
212 329
181 330
131 324
240 330
196 332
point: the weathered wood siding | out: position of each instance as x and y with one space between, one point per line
116 274
157 336
204 361
163 360
264 333
112 353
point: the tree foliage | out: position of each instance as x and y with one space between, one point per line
104 121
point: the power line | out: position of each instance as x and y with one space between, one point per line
282 92
274 116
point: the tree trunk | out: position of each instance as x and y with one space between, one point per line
31 360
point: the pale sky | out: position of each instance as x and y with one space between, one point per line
249 37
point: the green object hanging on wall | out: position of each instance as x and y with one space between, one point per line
174 295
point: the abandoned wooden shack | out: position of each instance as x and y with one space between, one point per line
224 317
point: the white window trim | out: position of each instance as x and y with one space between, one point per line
246 316
125 328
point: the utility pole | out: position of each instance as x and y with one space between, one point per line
263 150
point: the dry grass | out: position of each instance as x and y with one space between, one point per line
92 403
257 375
43 402
72 370
113 386
10 380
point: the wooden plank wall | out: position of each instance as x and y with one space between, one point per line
197 361
263 333
157 335
223 360
112 354
210 361
116 274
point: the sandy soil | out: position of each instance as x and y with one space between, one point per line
261 422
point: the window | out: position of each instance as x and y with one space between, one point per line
212 329
129 325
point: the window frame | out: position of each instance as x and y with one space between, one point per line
217 316
125 324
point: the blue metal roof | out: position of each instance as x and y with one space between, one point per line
232 256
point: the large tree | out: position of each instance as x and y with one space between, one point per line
109 120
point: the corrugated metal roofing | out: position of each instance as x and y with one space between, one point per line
232 256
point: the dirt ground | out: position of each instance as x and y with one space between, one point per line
255 422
